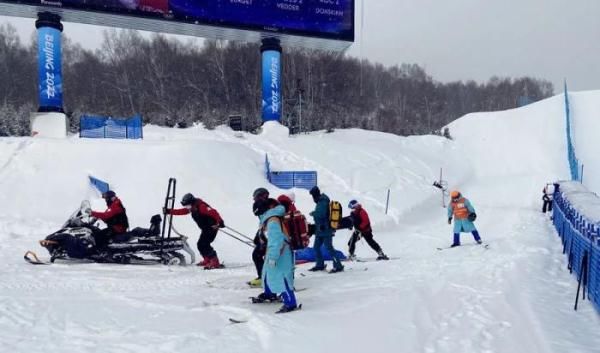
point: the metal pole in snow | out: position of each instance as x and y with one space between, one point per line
581 175
387 202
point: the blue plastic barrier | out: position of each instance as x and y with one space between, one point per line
290 179
580 235
108 127
102 186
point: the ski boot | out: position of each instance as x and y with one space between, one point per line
381 256
257 282
265 298
204 262
454 245
479 241
213 263
286 309
337 269
317 268
352 257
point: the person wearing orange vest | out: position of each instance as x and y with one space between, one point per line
464 215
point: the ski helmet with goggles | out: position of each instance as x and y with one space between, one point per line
455 194
187 199
260 193
352 204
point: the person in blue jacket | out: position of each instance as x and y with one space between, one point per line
278 270
464 215
323 232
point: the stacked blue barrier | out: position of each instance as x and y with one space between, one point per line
290 179
576 217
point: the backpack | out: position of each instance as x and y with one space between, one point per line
295 229
335 214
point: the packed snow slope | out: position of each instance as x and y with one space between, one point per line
515 296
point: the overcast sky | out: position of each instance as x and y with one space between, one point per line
463 39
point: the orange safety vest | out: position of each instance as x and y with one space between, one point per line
459 209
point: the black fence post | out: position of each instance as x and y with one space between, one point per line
582 278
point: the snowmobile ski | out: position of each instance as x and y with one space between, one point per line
32 258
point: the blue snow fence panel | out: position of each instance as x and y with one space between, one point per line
134 127
573 216
100 185
116 128
290 179
91 126
108 127
308 255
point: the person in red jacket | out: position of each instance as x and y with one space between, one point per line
208 220
362 228
115 218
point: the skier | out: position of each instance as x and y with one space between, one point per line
323 232
260 240
362 228
464 216
547 192
115 218
208 220
278 274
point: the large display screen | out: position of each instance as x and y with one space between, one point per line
329 19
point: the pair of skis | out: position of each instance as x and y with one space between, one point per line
483 245
243 321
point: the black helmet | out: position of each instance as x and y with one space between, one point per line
260 193
187 199
260 206
108 194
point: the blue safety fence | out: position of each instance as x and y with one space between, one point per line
576 217
109 127
102 186
290 179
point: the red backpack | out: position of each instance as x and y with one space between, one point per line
297 230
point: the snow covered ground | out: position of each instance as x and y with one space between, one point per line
516 296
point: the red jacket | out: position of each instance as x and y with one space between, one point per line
115 217
287 203
204 215
361 220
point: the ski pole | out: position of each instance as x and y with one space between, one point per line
240 233
238 239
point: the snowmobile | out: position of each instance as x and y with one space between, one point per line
76 240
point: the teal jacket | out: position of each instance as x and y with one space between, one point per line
279 260
321 217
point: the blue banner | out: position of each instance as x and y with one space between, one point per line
50 77
271 85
